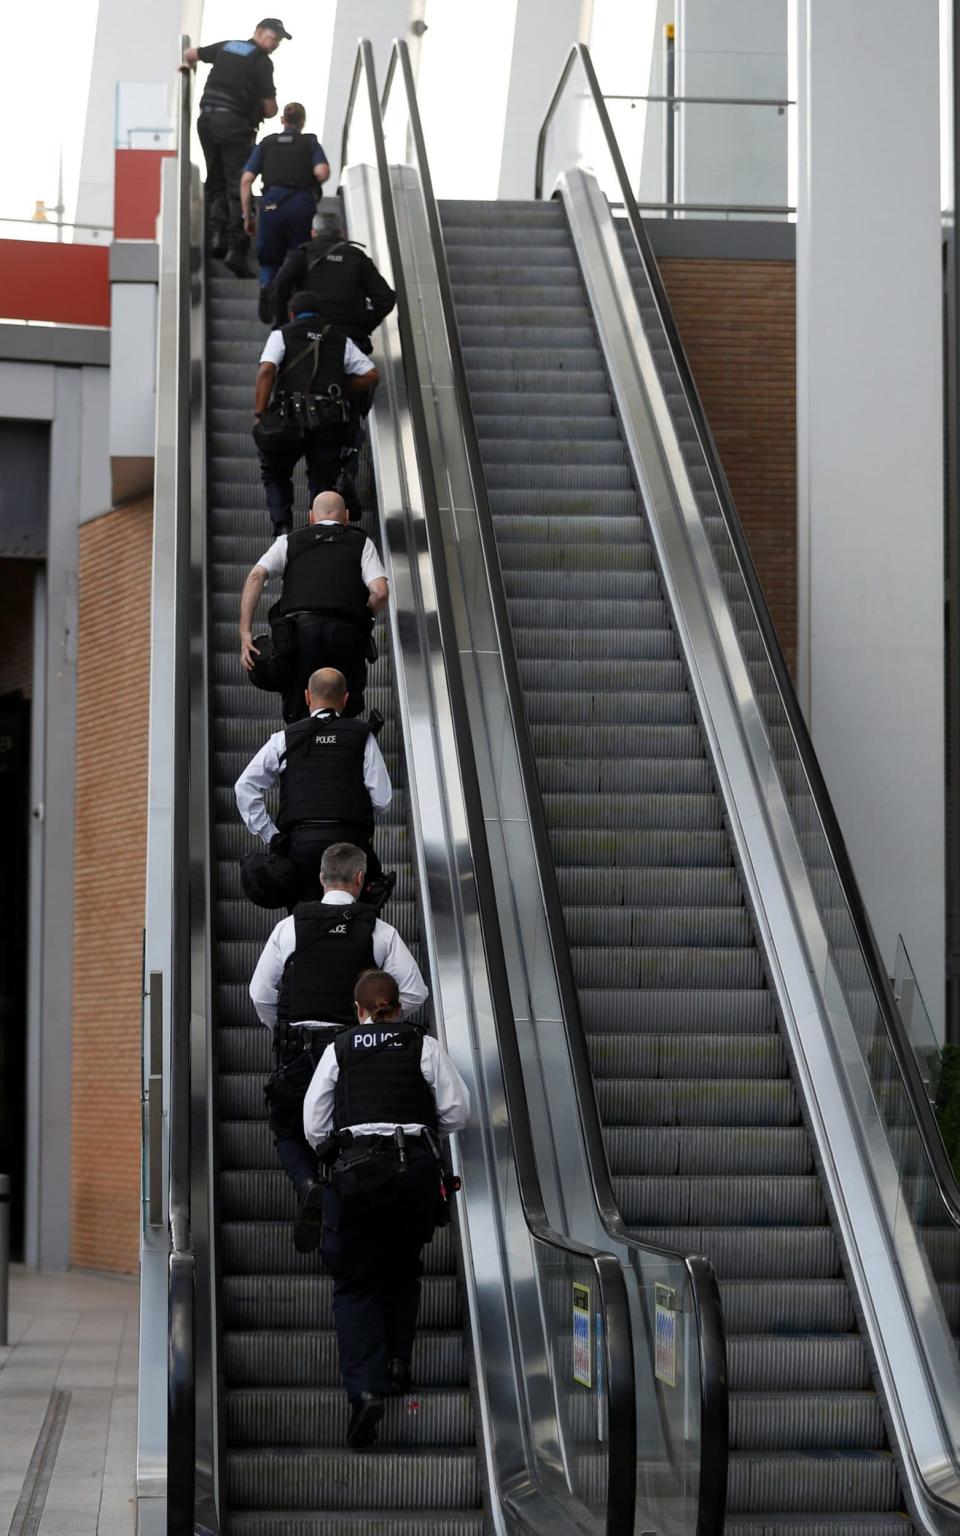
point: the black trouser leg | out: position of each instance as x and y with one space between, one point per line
322 451
226 139
309 844
324 642
216 185
297 1157
276 474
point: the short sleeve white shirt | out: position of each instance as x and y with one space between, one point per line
274 561
354 361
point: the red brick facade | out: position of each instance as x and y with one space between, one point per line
737 320
113 678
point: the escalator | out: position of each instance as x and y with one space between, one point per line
286 1466
701 1115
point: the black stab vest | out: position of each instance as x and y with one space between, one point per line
334 944
322 778
298 374
234 80
288 160
324 573
333 274
380 1080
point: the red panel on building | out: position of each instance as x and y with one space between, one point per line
136 193
69 284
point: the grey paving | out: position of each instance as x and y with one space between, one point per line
76 1332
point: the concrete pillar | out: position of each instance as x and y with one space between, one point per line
870 444
380 21
543 33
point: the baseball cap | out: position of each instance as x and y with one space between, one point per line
274 24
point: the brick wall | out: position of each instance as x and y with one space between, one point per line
113 660
16 626
737 321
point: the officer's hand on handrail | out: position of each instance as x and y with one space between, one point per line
248 651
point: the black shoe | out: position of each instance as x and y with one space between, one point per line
375 721
366 1411
236 262
308 1227
376 893
265 307
347 488
400 1378
218 241
279 528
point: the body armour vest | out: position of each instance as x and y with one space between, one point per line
333 945
298 373
333 275
324 573
234 80
322 778
380 1081
288 160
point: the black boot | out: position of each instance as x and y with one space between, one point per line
218 241
236 262
265 306
308 1227
400 1378
366 1411
347 485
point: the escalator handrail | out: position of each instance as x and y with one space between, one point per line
712 1346
618 1343
945 1179
181 1380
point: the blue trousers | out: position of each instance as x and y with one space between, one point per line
371 1247
285 219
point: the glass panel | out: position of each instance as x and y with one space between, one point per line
913 1012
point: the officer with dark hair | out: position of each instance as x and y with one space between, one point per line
239 92
332 778
308 371
302 989
293 167
387 1091
333 585
348 290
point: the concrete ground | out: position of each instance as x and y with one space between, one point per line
68 1405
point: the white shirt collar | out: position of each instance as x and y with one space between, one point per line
338 898
324 710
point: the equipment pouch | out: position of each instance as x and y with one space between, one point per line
288 1084
277 430
368 1166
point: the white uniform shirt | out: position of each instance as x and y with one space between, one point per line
450 1092
274 561
354 361
263 773
389 954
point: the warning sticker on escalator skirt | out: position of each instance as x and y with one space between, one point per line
582 1353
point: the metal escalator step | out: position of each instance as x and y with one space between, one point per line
246 1046
487 314
554 434
266 1247
534 534
630 848
657 776
786 1306
642 644
509 363
480 239
238 920
736 1200
290 1358
654 927
576 560
693 1056
728 1012
421 1522
829 1482
497 389
765 1421
545 705
506 213
608 618
304 1302
666 812
693 1101
756 1151
380 1479
667 890
833 1523
758 1253
576 502
430 1417
232 841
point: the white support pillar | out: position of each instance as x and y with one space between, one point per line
380 21
543 33
870 469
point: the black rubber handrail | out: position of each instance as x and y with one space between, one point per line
944 1177
181 1379
618 1341
714 1405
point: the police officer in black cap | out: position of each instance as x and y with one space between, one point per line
239 92
293 166
333 585
302 989
332 777
308 372
387 1091
349 291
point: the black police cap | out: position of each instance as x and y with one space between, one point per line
274 24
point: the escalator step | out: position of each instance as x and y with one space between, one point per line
303 1360
341 1480
317 1418
304 1302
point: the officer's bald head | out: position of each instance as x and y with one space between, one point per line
327 689
328 505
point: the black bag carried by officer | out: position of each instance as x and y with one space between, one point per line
368 1166
273 668
287 1085
276 430
269 880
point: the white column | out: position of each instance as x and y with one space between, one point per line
380 21
543 33
870 471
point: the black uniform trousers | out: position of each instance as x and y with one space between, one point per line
285 217
323 642
372 1246
321 449
309 844
285 1111
226 139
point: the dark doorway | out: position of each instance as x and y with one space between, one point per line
14 830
